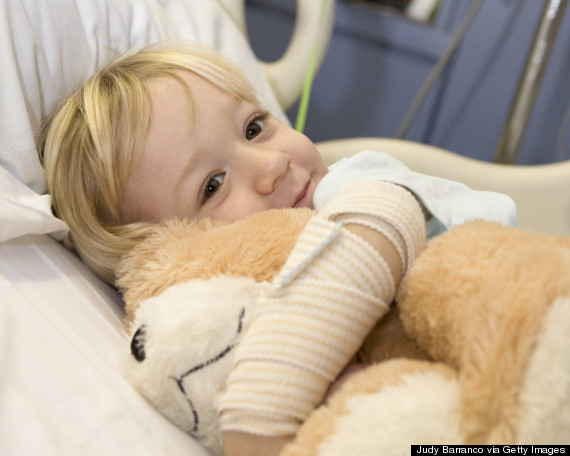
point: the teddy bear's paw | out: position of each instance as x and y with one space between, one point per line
181 352
545 395
384 409
476 299
535 408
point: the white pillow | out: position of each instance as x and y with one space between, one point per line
48 49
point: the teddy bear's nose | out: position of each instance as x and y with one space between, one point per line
137 344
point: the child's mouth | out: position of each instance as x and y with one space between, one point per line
302 197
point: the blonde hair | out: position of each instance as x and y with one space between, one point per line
93 141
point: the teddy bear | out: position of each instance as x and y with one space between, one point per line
491 305
476 351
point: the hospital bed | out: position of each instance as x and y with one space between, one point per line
60 326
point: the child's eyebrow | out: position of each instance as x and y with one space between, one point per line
193 158
186 170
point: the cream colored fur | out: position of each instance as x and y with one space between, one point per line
345 422
476 300
490 304
187 326
180 250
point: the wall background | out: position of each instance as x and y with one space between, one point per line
378 60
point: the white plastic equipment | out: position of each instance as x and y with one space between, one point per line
541 192
313 26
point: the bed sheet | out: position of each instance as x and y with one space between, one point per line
60 390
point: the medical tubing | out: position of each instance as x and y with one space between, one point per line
309 78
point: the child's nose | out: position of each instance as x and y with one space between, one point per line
267 168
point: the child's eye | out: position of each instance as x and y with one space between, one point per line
211 186
255 127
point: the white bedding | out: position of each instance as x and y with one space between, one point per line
60 327
60 393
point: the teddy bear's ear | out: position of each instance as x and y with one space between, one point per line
137 344
181 250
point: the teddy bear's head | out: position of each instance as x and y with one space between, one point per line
182 349
189 290
181 250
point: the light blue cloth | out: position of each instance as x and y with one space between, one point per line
449 203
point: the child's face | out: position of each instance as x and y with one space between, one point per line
223 158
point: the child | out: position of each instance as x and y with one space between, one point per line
178 132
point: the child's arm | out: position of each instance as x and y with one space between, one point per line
242 444
246 444
340 278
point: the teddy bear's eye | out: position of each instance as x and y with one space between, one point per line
137 344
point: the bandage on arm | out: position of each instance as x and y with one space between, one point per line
332 290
